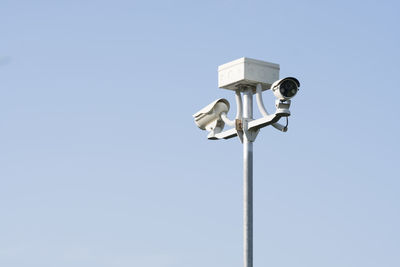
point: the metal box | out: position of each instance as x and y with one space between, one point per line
247 71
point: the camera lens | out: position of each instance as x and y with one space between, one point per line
288 88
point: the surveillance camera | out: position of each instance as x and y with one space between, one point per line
285 89
205 117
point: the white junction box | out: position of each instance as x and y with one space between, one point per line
247 71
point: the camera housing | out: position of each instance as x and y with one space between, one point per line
285 89
206 118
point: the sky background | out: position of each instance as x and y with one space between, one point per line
101 164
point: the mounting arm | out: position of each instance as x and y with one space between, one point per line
239 111
264 111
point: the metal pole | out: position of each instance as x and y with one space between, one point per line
247 182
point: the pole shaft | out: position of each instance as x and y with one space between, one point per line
247 183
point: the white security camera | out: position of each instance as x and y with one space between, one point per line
285 89
206 118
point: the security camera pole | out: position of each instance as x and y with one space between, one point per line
247 181
248 77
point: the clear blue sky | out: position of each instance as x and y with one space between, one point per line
101 164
